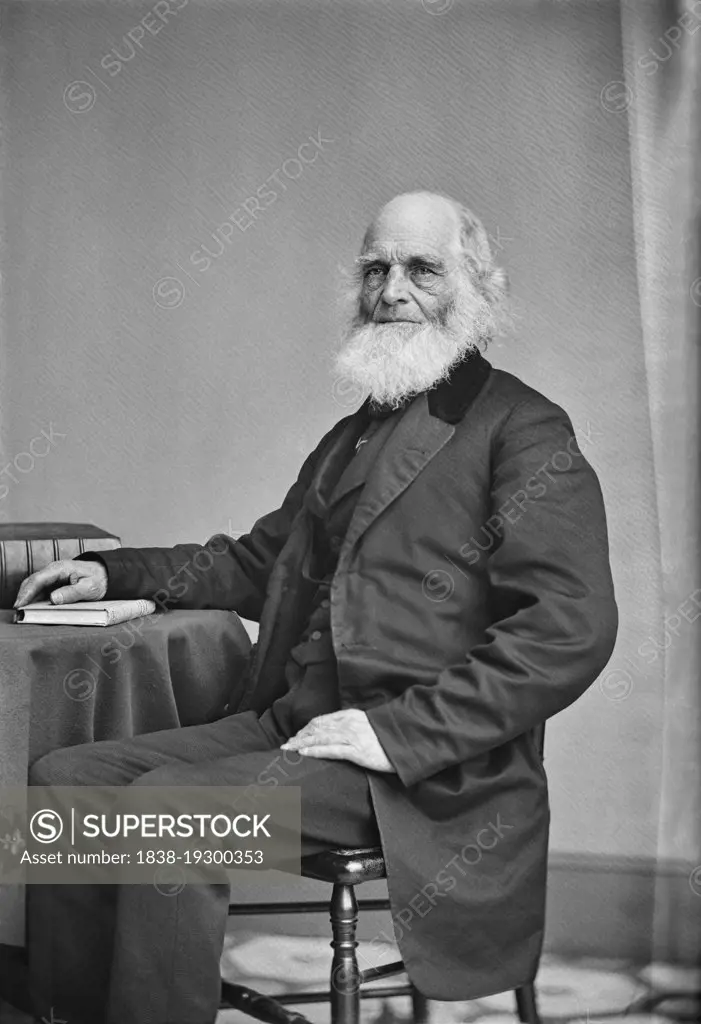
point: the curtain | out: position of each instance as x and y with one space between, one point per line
662 95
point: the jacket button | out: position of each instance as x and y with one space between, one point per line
316 635
325 604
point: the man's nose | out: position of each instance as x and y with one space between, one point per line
395 287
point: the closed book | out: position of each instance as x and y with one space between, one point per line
27 547
84 613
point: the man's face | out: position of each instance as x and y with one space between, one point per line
417 312
410 262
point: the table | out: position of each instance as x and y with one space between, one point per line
63 685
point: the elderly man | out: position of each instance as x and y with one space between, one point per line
433 587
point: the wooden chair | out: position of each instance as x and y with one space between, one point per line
344 869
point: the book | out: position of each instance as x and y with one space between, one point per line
27 547
84 613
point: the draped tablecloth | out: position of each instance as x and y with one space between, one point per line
63 685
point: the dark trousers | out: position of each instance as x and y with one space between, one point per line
130 954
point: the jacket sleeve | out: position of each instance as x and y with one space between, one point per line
223 573
554 617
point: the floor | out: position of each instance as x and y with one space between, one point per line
576 991
582 991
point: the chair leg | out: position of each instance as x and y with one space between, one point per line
345 973
526 1005
419 1006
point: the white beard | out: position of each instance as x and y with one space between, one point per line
396 361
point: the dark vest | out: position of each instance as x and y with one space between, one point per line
311 668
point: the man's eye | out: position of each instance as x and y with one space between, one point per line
374 274
423 273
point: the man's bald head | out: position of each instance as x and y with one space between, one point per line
416 216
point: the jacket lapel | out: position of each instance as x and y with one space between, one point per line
416 439
353 476
334 458
358 467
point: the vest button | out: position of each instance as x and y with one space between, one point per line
316 635
335 543
325 604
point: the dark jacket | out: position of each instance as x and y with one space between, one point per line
472 600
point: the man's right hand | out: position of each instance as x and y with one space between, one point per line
88 582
